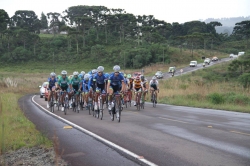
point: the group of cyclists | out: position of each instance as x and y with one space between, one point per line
90 85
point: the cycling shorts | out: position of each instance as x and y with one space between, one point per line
154 86
116 88
138 89
100 87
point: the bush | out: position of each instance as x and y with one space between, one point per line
216 98
238 99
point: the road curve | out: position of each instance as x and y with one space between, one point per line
75 147
174 135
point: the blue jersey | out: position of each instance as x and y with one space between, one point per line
85 85
52 82
116 80
90 83
99 79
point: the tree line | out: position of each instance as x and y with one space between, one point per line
109 35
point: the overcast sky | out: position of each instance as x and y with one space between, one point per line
167 10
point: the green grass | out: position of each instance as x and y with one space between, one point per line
206 88
16 131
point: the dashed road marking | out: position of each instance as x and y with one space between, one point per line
173 120
97 136
237 132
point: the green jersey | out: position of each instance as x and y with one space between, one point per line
75 81
63 82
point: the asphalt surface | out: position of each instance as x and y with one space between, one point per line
165 135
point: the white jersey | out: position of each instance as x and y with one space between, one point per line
154 82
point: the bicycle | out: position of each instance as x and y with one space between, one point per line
81 101
59 100
101 99
116 107
90 105
52 100
65 102
154 98
143 99
138 100
128 95
75 102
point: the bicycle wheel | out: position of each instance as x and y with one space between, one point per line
101 108
142 103
118 109
89 107
52 103
154 104
138 102
58 103
77 105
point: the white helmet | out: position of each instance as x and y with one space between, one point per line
100 69
154 78
83 72
86 76
64 72
52 74
94 71
116 68
75 73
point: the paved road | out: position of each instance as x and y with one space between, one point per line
165 135
191 69
174 135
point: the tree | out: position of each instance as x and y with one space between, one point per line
242 29
4 20
44 21
26 19
54 22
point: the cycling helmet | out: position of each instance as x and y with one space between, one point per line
107 75
83 73
94 71
129 76
75 73
86 76
154 78
52 74
125 75
116 68
142 77
100 69
64 72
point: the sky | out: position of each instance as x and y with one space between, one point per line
168 10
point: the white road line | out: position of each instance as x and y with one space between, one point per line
98 137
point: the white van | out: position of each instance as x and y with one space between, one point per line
241 53
193 64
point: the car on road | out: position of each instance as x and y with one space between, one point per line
193 64
233 56
207 61
43 90
159 75
171 69
215 58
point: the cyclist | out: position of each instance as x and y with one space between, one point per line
81 75
51 87
99 81
115 83
91 85
154 85
85 89
137 87
63 84
145 86
75 85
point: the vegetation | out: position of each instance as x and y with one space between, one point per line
216 87
16 130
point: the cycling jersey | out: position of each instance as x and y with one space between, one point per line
137 84
63 83
100 81
91 82
85 85
154 84
116 80
52 82
75 82
144 83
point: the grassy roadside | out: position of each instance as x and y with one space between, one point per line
206 88
16 131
